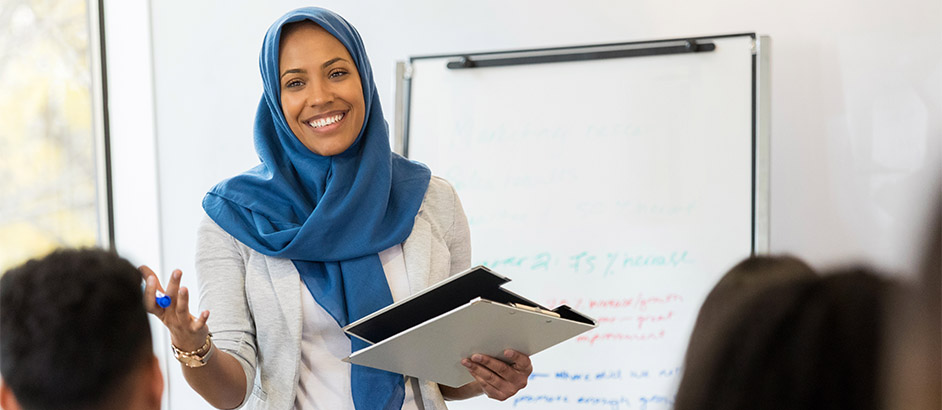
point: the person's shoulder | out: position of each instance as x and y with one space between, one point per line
208 225
440 193
440 199
210 235
440 184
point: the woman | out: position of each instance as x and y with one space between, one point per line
330 227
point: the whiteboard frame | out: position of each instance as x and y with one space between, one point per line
761 116
762 158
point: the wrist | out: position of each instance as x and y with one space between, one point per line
190 342
195 358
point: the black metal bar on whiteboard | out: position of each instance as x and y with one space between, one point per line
688 46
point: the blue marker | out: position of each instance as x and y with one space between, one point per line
162 300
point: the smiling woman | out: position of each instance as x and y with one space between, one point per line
321 94
330 227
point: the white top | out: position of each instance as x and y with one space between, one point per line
325 379
256 299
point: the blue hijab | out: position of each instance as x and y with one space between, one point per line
330 215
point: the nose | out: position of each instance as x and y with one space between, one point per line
319 93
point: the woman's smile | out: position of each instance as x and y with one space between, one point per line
326 122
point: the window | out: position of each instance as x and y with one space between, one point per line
52 178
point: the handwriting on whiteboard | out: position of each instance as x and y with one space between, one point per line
606 375
594 263
640 302
643 402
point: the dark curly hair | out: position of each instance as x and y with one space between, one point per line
65 321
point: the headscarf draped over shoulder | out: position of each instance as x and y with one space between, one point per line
331 215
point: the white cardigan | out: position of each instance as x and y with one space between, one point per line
255 302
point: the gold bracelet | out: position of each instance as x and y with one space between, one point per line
196 358
200 351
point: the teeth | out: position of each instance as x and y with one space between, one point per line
325 121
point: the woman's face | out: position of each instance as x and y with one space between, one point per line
321 94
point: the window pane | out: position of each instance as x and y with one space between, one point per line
48 170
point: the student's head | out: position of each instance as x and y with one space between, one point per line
321 94
74 335
931 298
749 277
746 278
915 361
812 343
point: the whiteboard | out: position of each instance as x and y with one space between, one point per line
623 187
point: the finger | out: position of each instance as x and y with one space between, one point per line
487 376
494 365
146 272
495 393
500 375
200 321
150 303
521 362
490 390
173 286
480 378
182 308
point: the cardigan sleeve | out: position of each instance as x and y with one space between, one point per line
458 236
220 269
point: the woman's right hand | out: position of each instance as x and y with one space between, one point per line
187 332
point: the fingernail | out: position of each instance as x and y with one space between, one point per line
477 358
466 363
183 291
508 353
177 274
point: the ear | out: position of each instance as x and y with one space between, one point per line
7 400
156 383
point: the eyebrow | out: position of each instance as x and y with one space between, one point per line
331 61
301 70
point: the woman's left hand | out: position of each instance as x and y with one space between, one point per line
499 379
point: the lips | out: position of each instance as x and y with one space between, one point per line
325 120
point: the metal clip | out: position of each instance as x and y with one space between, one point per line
535 309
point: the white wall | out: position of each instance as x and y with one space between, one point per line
130 98
856 102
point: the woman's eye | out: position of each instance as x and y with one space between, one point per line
337 74
293 83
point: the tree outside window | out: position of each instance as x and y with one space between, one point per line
50 183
